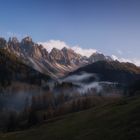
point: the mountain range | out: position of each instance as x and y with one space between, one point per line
25 60
57 63
30 76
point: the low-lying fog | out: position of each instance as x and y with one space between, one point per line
84 83
87 82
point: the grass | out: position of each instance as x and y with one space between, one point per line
115 121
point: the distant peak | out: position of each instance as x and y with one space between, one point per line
55 50
27 39
13 39
65 49
96 54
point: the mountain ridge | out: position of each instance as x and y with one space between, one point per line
13 70
56 63
112 71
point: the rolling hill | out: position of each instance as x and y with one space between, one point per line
118 121
112 71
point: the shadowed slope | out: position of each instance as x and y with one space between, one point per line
118 121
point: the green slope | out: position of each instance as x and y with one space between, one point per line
116 121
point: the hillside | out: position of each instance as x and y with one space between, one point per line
117 121
12 69
113 71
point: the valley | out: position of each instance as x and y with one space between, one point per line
41 90
69 70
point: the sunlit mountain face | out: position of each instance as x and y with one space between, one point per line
56 62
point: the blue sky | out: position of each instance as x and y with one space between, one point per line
110 26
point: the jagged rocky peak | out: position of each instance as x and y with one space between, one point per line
38 51
72 57
44 52
109 58
65 49
27 45
57 62
68 52
3 42
97 57
55 50
14 45
27 40
13 40
57 55
41 47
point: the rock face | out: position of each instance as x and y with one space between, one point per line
13 45
56 63
57 55
97 57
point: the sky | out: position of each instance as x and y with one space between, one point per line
108 26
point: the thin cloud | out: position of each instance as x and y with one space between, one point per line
84 52
133 60
49 45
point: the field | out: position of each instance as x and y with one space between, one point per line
115 121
